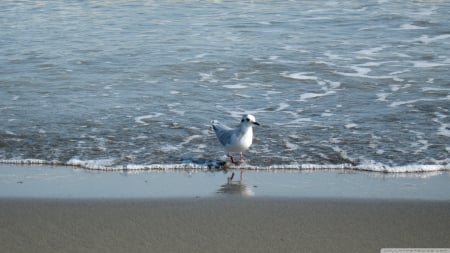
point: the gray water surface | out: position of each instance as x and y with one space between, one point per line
121 83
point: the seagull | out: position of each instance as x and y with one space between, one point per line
236 139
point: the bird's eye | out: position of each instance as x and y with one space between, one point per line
247 119
242 120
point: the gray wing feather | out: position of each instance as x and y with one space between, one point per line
223 133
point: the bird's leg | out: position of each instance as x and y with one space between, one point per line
241 157
231 157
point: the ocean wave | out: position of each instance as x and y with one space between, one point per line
208 165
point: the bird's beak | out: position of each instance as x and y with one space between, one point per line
256 123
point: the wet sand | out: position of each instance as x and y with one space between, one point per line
59 182
221 225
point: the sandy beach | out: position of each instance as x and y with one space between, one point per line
63 209
221 225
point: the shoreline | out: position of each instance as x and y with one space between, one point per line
61 182
217 165
221 224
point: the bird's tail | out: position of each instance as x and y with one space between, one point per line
214 124
217 126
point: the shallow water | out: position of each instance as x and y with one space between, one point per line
68 183
112 85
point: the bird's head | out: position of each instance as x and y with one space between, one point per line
249 120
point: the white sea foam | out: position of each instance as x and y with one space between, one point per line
333 56
299 76
426 64
30 162
190 139
333 84
411 27
371 64
382 96
351 125
207 77
235 86
271 93
444 128
179 112
427 40
100 164
379 152
290 146
282 106
169 148
377 167
395 87
407 102
295 122
362 72
306 96
108 165
399 103
141 119
200 55
359 71
433 89
427 11
327 114
371 51
399 72
9 132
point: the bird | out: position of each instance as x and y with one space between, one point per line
236 139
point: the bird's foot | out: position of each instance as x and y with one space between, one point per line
236 162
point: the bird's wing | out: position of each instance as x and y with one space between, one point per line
223 133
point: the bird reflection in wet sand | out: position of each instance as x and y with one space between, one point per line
236 187
230 179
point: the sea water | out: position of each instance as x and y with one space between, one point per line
135 84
